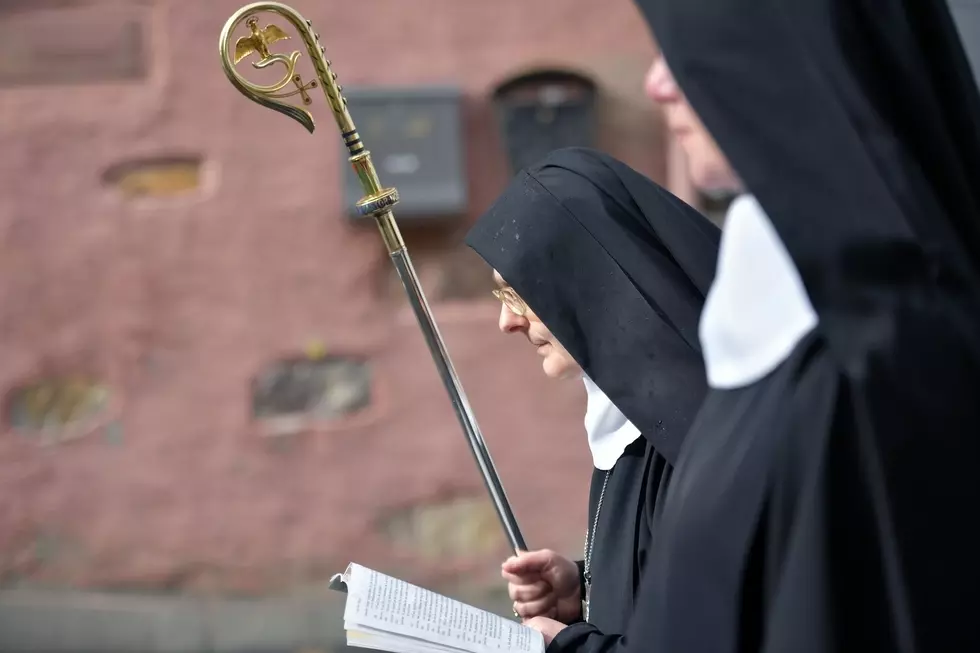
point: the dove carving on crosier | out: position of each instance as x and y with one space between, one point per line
259 41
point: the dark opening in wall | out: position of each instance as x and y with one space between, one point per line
543 110
163 176
322 389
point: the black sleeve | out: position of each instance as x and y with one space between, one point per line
583 637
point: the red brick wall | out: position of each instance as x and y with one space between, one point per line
177 304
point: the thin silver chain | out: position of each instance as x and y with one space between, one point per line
590 545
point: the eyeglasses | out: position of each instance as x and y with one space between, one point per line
511 300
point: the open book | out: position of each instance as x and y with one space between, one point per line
387 614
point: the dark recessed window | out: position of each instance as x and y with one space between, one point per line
322 389
543 110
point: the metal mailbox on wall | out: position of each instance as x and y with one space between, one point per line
415 136
545 110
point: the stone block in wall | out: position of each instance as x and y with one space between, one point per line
51 42
57 409
319 389
458 528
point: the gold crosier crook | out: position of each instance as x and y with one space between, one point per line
377 201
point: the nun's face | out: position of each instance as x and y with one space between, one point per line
516 317
707 166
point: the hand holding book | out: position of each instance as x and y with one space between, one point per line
384 613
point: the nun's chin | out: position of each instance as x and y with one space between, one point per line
557 364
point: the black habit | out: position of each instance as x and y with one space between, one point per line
617 269
831 505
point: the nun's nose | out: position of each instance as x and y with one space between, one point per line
511 322
660 85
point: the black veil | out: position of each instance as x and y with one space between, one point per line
618 269
855 123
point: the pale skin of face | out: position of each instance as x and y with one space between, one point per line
541 581
707 165
556 362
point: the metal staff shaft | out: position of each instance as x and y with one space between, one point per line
377 201
461 405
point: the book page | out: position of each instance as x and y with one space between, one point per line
376 602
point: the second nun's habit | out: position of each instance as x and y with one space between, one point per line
826 497
617 269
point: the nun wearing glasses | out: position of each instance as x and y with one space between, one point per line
603 274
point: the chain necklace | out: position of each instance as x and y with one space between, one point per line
589 546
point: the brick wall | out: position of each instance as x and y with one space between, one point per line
176 304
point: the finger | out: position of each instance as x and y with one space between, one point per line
550 613
525 579
531 592
533 561
547 627
531 609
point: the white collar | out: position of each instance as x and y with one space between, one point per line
757 309
608 429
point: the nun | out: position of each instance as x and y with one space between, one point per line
604 274
824 498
